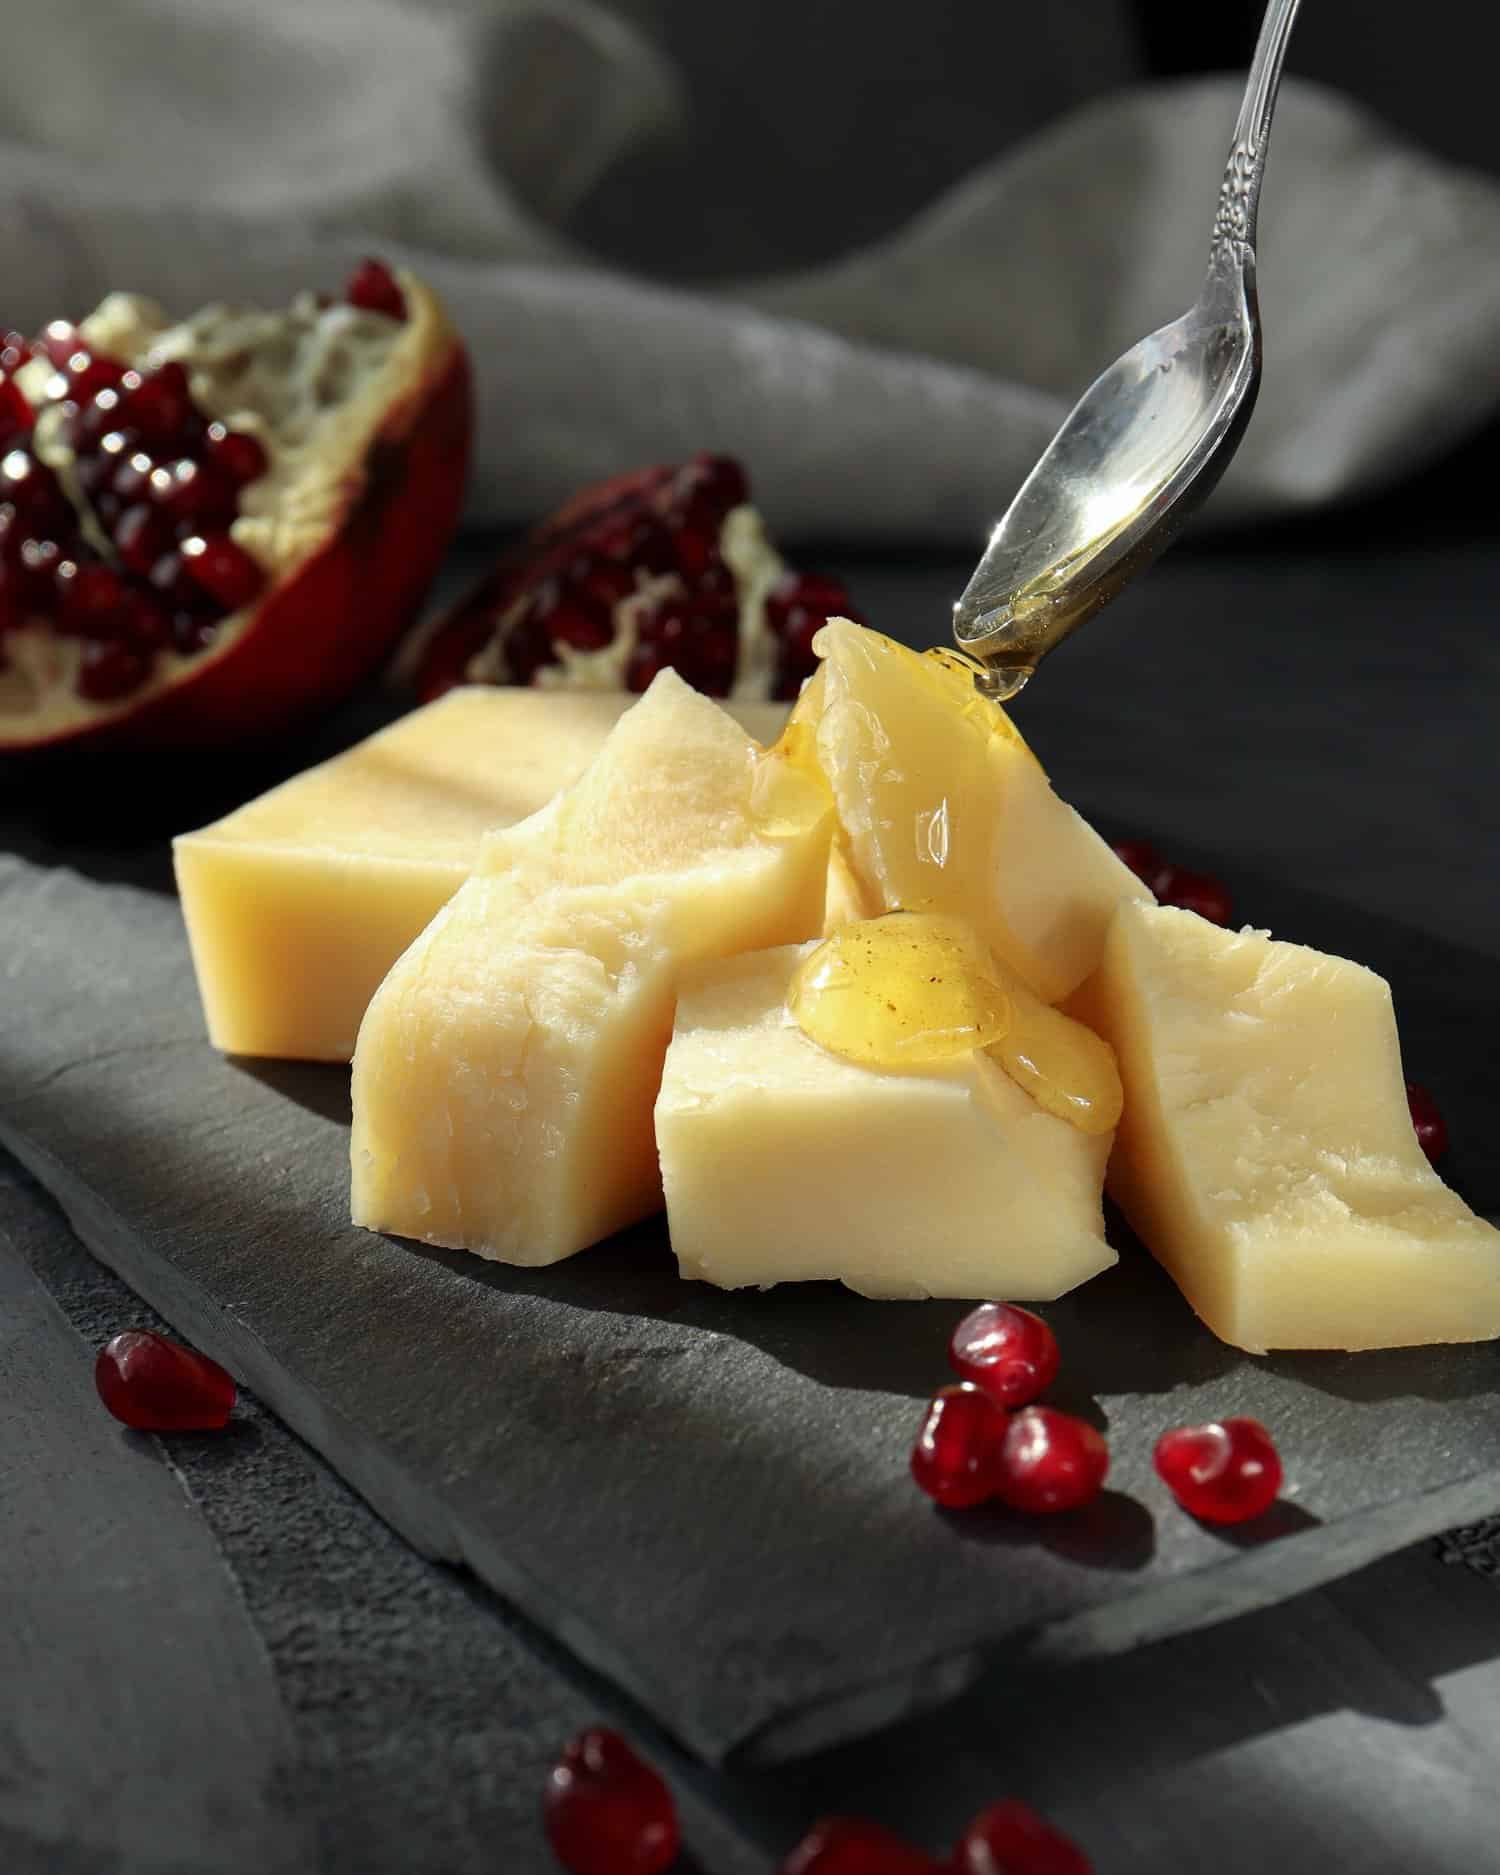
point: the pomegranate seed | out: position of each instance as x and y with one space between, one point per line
32 490
223 568
158 1385
89 596
1224 1472
242 458
636 540
142 537
108 670
1010 1838
1008 1352
201 492
1147 864
957 1457
41 559
573 622
374 288
15 412
607 1812
59 341
528 646
1050 1461
171 579
15 351
88 375
144 624
1427 1118
645 666
1197 891
192 632
848 1845
800 598
159 404
133 477
709 486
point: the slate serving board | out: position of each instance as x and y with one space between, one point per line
705 1495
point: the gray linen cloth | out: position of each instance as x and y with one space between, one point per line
204 149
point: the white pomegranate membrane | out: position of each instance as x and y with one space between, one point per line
157 478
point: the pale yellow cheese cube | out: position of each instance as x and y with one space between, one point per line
1267 1155
298 903
945 809
781 1162
507 1066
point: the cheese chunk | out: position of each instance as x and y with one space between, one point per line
506 1067
782 1162
943 808
1267 1155
298 903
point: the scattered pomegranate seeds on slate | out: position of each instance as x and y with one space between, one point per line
158 1385
607 1812
956 1459
847 1845
1010 1838
1050 1461
1008 1352
1227 1471
1427 1118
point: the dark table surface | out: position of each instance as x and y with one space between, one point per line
214 1657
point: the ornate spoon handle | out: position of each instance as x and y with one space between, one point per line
1239 198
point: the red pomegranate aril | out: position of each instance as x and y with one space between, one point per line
1011 1838
59 341
242 457
607 1812
33 491
800 597
1199 892
110 669
15 351
849 1845
1226 1471
1427 1118
1050 1461
223 568
1007 1352
132 481
144 624
573 622
192 632
194 491
88 375
40 561
645 666
15 412
142 537
1146 863
957 1457
374 288
89 597
709 486
157 1385
176 586
159 404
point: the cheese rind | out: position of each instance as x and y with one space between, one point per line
298 903
782 1162
506 1067
1266 1155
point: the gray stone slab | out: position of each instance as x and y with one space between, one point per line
705 1495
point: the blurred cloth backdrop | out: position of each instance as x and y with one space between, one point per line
876 250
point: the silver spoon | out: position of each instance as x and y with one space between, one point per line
1145 443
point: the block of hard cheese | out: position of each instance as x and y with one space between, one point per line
782 1162
507 1066
1266 1154
299 902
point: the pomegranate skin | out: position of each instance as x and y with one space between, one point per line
326 625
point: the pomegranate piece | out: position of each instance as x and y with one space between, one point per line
1227 1471
607 1812
1010 1838
158 1385
957 1457
173 605
661 568
1006 1351
1427 1118
848 1845
1146 863
1050 1461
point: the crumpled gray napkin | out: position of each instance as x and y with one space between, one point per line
198 149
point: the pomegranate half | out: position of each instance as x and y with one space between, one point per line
210 530
666 566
